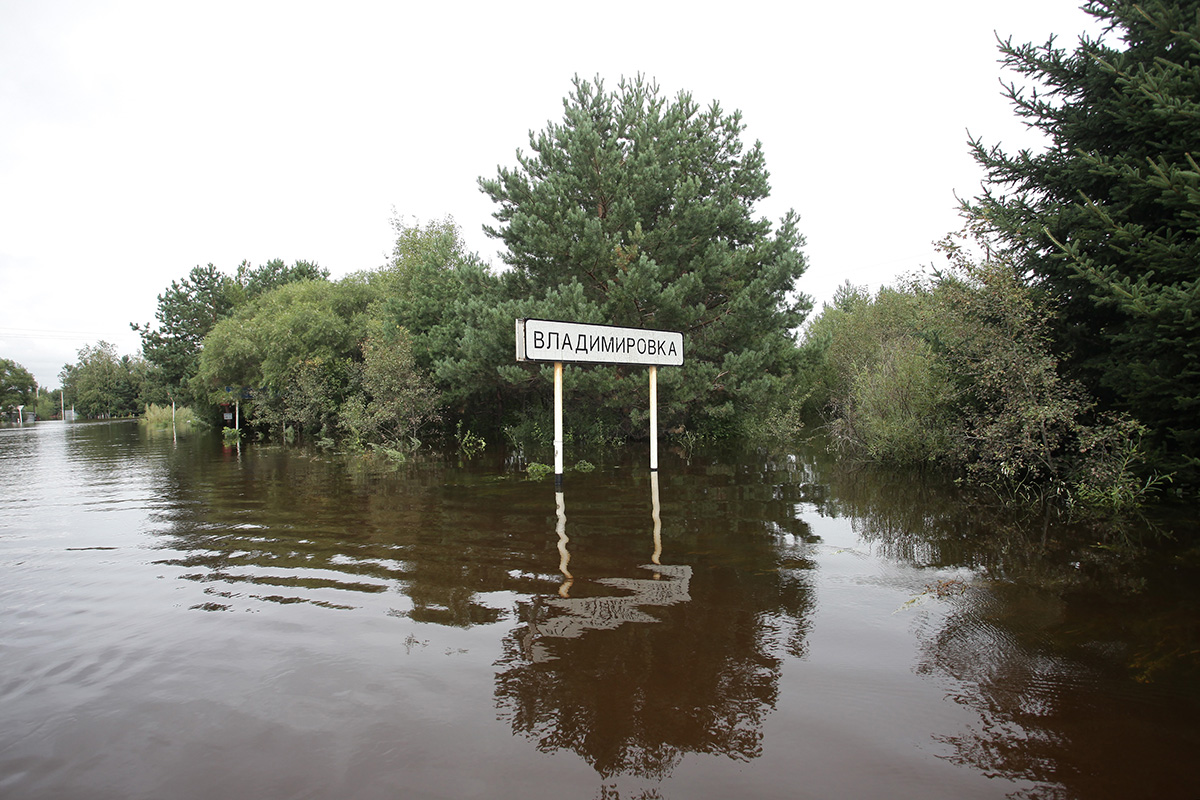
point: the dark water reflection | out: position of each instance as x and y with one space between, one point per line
585 674
186 620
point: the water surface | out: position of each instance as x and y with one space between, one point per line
181 619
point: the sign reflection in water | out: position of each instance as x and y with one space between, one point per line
179 620
634 679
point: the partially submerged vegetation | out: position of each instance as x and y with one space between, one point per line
956 371
1062 364
659 232
163 418
1056 365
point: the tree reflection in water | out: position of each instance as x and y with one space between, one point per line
639 671
291 528
1076 646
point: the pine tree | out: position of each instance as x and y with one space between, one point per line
187 310
640 212
1105 218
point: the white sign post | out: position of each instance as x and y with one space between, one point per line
578 342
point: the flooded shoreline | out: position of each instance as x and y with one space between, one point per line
185 619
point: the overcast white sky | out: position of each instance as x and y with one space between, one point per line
139 139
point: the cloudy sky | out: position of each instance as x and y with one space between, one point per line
140 139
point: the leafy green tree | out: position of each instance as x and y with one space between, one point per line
289 346
187 311
957 369
1104 218
640 211
49 404
426 284
103 384
1018 425
887 394
822 371
312 397
396 400
191 307
259 345
17 385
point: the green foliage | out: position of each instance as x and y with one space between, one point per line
187 311
314 357
275 273
395 401
1112 457
49 404
17 385
1018 416
231 435
447 301
530 434
871 370
192 307
584 466
639 211
1105 217
469 444
957 369
538 471
887 394
896 405
102 384
268 341
311 397
158 417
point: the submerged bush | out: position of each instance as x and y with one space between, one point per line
537 471
159 417
469 444
957 368
895 407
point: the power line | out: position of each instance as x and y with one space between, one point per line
58 335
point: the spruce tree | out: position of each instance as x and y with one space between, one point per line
639 211
1105 218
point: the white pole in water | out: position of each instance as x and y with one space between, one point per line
656 515
653 418
558 425
560 511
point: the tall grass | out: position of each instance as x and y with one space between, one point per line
164 417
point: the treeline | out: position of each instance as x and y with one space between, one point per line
635 210
1064 357
104 384
20 394
1055 354
957 371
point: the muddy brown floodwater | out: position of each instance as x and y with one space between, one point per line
183 620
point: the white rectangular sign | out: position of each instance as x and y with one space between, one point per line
548 340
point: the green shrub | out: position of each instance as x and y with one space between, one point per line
537 471
469 444
897 406
159 417
958 368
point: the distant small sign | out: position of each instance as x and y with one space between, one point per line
551 340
